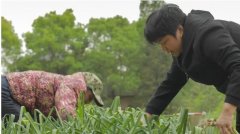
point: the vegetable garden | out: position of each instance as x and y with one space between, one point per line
110 120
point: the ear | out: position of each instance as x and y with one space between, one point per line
180 29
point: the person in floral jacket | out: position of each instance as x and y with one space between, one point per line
43 90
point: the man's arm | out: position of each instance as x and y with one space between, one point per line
167 90
219 47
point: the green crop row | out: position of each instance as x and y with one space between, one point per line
91 119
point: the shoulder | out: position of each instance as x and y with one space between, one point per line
209 36
210 27
210 32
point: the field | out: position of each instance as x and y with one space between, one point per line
110 120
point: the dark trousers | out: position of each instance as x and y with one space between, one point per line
238 120
9 105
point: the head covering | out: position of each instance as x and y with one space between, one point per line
95 84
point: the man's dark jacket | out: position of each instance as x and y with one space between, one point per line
211 55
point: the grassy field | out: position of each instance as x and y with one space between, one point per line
110 120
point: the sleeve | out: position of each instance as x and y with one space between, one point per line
220 48
65 101
167 90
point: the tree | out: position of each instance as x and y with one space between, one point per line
155 62
148 6
56 44
114 54
11 44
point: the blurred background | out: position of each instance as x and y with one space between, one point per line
104 37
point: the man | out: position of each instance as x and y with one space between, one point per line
42 90
203 49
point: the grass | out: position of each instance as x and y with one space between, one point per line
91 119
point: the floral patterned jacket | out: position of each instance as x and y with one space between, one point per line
42 90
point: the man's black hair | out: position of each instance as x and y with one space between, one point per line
163 21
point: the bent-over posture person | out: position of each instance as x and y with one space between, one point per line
43 90
203 49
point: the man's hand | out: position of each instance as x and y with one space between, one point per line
224 122
149 116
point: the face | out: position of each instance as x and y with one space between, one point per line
171 44
88 96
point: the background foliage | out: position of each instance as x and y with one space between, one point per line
113 48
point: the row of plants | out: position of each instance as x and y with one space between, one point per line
91 119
